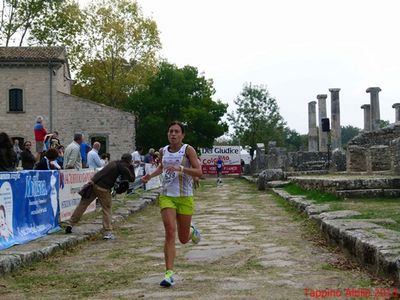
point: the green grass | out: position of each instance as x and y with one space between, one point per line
319 197
370 208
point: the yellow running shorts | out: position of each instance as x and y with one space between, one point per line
183 205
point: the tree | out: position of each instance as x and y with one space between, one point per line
62 26
177 94
41 22
111 47
295 141
257 118
348 132
119 52
384 123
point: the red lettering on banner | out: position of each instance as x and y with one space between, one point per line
77 178
227 169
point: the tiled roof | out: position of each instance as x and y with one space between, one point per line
31 53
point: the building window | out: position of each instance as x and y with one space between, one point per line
102 140
15 100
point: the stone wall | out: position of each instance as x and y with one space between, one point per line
356 158
307 161
94 119
338 161
381 137
34 82
395 156
276 157
70 114
378 158
375 151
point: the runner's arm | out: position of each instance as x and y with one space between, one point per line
195 170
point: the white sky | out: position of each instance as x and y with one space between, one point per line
298 49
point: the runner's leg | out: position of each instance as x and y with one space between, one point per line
169 219
184 232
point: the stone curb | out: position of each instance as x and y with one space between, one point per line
22 255
371 245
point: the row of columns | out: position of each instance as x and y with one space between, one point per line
322 144
371 119
372 115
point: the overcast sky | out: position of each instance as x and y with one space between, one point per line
298 49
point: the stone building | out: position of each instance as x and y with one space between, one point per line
37 81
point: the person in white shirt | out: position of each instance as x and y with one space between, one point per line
72 154
137 156
93 157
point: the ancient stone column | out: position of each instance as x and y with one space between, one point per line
396 107
375 112
312 127
323 136
367 117
336 132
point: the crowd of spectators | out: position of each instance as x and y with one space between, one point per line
49 154
151 157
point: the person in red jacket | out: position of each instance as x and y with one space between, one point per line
40 133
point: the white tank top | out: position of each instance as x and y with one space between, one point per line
176 184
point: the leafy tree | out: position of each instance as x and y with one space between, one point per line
177 94
257 118
384 123
38 20
119 52
348 132
295 141
62 26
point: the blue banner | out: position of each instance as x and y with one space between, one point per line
29 206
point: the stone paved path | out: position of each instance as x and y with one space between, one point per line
251 249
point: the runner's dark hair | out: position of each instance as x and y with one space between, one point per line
177 123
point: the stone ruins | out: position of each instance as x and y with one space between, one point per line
375 149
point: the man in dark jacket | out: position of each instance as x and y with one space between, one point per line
102 182
27 158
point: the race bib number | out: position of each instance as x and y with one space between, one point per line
168 178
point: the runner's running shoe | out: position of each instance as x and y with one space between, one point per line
196 235
168 279
108 236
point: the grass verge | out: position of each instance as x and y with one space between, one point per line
374 209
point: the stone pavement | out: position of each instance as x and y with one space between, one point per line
252 248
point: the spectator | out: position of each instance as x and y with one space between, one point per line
51 141
102 183
137 156
93 157
48 161
8 156
84 149
148 158
54 140
60 158
104 158
40 133
27 158
156 158
17 151
72 154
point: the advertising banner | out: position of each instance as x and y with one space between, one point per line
28 206
71 183
230 155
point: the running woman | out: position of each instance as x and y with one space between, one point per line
179 164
